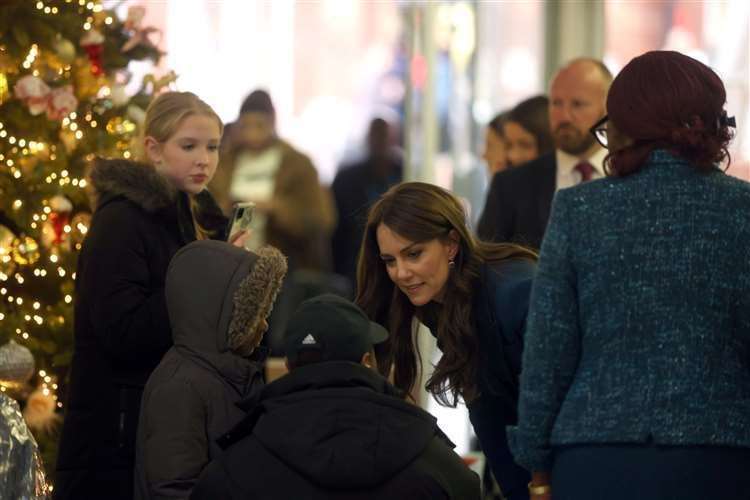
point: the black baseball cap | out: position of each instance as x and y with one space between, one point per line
333 326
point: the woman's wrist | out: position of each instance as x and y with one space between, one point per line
539 484
542 489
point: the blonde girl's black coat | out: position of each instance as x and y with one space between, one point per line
121 325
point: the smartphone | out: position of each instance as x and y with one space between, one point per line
241 218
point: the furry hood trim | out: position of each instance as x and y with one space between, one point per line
138 182
255 296
217 296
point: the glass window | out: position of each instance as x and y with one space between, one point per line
715 33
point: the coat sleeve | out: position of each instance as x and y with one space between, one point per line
128 314
451 475
496 222
213 483
552 349
512 306
175 444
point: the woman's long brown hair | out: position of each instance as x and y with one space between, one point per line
423 212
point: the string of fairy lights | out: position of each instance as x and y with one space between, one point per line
23 253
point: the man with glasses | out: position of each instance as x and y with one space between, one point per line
519 200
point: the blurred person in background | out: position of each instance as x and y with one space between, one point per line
471 183
636 374
356 187
333 428
495 149
526 131
292 210
519 200
419 260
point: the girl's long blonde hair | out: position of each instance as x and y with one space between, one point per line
164 116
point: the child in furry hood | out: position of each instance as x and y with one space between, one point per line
218 297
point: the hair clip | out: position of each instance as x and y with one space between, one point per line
727 121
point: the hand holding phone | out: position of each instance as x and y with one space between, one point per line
242 216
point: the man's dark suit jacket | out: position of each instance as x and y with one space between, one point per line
518 203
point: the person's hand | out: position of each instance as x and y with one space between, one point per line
239 238
544 496
539 488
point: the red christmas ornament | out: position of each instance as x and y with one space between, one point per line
94 51
93 43
58 221
59 217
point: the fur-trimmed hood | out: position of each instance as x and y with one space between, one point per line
217 295
138 182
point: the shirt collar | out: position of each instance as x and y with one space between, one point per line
567 162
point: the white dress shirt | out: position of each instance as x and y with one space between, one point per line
254 179
568 176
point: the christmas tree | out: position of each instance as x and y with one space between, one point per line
63 100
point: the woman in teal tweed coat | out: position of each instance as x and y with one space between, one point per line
636 378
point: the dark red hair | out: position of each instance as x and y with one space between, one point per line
667 100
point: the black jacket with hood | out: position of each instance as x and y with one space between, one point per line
217 296
121 326
336 430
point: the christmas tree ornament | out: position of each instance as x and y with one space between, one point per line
7 265
64 49
93 43
85 83
25 251
61 103
16 364
39 412
59 217
33 92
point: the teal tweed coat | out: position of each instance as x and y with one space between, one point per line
639 322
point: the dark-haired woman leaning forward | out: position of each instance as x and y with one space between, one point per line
636 377
419 260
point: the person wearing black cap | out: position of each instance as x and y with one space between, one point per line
333 428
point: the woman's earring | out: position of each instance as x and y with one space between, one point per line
452 263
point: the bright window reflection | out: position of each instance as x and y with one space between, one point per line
715 33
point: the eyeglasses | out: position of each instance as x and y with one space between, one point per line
599 131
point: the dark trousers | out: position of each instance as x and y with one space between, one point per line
650 472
